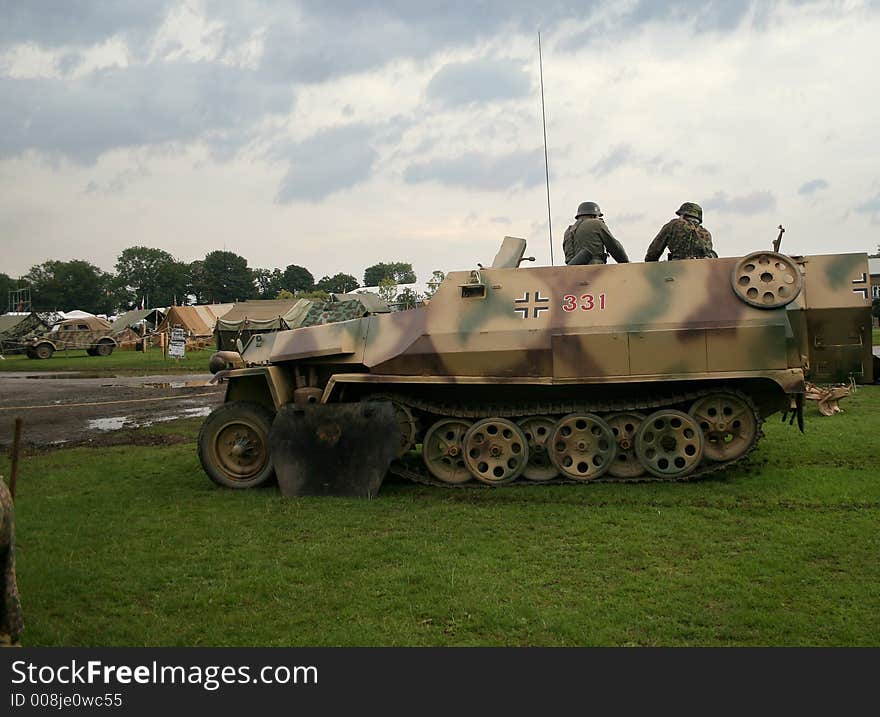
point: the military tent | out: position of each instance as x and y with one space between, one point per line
150 317
247 318
196 321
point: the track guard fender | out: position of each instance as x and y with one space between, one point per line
333 449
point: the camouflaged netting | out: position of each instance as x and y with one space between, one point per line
11 621
333 311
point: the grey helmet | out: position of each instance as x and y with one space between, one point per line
689 209
588 208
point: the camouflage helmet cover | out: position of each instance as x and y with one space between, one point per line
690 209
588 208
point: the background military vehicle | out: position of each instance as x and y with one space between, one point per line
90 333
629 372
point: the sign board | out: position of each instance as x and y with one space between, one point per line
177 343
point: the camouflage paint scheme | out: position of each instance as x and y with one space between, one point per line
598 324
534 344
89 333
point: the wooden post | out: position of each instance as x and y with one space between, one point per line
16 446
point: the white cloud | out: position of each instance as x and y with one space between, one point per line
478 82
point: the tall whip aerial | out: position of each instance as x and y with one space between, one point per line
546 163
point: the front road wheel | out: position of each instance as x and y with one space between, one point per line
234 445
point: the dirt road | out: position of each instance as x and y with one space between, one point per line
65 408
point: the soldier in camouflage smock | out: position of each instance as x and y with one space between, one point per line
685 236
586 241
11 621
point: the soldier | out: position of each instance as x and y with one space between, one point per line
11 623
587 240
685 236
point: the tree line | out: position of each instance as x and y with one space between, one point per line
144 276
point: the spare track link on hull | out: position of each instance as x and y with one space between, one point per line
414 470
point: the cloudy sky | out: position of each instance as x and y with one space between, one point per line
338 133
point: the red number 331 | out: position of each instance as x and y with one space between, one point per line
588 302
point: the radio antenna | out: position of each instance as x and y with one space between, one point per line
546 163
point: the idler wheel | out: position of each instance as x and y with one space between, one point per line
669 444
624 426
537 430
496 451
582 446
443 452
728 423
766 279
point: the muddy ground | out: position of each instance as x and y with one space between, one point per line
74 408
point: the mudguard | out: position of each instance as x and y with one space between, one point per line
333 449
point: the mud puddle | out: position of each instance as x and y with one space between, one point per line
117 423
176 384
72 375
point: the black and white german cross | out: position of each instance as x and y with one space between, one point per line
534 301
863 290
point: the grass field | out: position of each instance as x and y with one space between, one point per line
119 362
132 545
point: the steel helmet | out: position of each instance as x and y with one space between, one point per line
689 209
588 208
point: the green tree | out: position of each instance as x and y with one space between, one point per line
284 294
408 299
151 276
434 283
195 281
226 277
400 272
338 284
298 278
314 295
7 284
68 285
267 283
387 290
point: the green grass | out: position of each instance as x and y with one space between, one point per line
119 362
132 545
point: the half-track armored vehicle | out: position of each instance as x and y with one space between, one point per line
91 333
630 372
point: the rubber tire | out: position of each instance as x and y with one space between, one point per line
91 352
30 354
43 351
259 417
104 348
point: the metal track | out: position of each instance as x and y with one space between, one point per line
414 469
